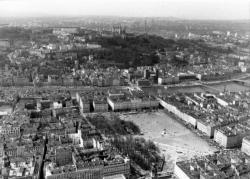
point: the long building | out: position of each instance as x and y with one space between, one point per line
83 103
231 136
5 43
202 111
100 105
67 172
246 145
185 117
131 100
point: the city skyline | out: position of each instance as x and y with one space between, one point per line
184 9
124 89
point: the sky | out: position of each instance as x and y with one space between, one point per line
186 9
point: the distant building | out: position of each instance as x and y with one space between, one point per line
118 30
246 145
168 80
143 82
93 46
83 103
100 105
5 43
8 130
70 30
5 109
187 77
146 74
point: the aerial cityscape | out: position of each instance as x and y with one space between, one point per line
124 89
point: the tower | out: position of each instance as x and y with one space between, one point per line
145 28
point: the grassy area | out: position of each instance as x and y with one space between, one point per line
114 126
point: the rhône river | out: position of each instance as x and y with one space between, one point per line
211 87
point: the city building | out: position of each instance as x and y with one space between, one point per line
227 164
5 44
245 147
231 135
100 105
132 100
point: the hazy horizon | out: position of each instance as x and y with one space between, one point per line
183 9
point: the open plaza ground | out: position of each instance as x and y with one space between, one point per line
175 141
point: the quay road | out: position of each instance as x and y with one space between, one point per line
236 78
206 84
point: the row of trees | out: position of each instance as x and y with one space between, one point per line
115 126
143 153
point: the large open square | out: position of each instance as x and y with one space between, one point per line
175 140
